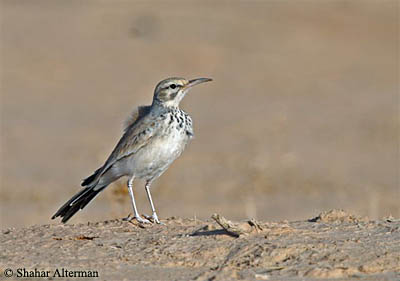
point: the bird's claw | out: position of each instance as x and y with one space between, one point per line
142 220
128 218
153 218
138 218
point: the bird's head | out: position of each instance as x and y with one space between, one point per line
170 92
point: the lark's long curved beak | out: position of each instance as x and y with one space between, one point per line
197 81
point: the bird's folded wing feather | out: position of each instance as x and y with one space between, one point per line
136 115
135 136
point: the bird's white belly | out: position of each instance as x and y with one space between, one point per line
151 161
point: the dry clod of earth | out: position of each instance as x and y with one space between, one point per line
335 244
237 229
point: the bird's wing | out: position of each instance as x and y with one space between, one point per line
136 115
135 136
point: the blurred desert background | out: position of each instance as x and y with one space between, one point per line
302 115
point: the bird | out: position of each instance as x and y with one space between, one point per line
153 137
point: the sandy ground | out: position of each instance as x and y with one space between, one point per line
302 115
333 245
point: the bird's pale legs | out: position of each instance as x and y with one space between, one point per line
136 214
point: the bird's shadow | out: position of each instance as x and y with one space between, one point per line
206 232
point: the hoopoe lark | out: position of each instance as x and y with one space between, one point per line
153 138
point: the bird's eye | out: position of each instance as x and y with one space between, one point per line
173 86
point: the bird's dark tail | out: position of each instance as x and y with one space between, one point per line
76 203
93 179
83 197
80 199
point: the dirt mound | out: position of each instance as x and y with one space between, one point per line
203 250
337 216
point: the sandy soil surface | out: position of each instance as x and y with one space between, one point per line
334 244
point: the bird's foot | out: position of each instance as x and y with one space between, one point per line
138 218
128 218
142 220
154 218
